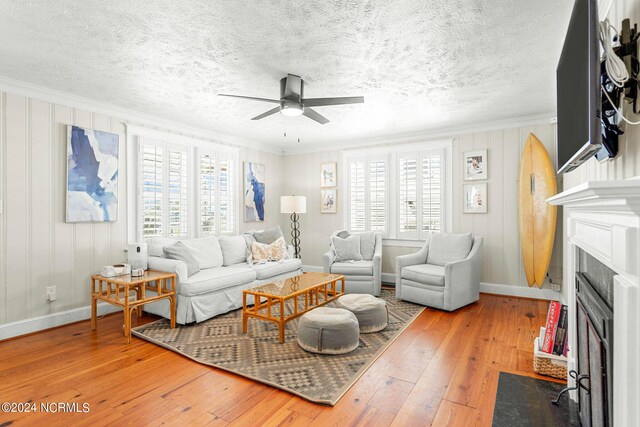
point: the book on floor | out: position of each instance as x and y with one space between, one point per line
551 327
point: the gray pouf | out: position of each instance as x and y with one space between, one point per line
370 311
327 330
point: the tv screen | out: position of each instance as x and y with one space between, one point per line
578 89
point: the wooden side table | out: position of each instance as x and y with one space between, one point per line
118 291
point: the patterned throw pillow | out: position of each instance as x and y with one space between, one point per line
273 252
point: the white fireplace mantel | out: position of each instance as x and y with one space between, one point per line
603 219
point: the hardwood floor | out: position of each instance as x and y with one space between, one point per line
442 371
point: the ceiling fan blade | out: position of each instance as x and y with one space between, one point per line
319 102
314 115
275 101
268 113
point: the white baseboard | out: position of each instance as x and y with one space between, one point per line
488 288
520 291
35 324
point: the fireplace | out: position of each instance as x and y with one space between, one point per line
602 261
594 321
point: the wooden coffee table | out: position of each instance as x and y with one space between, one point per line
118 291
312 289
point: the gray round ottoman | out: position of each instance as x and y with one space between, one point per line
371 311
327 330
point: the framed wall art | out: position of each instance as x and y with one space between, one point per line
475 198
328 175
475 165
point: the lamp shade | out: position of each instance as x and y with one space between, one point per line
293 204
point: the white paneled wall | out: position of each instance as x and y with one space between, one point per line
39 248
502 261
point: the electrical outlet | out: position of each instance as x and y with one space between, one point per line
556 287
51 293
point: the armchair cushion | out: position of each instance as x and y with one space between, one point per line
447 247
347 249
357 268
428 274
367 245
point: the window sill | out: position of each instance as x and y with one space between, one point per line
404 243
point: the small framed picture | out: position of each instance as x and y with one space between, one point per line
475 165
328 201
328 175
475 198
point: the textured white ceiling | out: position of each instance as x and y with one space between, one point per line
419 64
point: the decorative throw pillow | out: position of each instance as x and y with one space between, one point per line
347 249
268 236
180 252
249 240
274 252
367 244
234 249
206 251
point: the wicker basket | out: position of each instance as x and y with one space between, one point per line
548 364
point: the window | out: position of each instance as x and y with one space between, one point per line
398 190
367 195
216 191
184 187
420 193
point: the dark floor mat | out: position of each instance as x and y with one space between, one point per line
526 402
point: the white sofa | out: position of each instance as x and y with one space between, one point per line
361 277
217 289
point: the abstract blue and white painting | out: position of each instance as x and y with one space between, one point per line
253 192
92 175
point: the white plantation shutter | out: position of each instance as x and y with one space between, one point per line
377 196
177 188
226 197
367 195
408 196
207 180
420 193
151 190
357 196
432 192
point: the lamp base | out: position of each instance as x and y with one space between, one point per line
295 234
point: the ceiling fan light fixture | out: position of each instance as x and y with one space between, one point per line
292 110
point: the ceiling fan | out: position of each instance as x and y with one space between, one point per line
292 101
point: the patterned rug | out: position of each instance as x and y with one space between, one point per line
257 355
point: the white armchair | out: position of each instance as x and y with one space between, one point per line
444 274
361 277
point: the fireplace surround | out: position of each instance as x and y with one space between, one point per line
603 219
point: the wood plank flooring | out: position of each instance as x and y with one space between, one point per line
442 371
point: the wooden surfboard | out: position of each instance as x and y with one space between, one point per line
537 218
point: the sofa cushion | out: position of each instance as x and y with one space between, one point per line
446 247
213 279
347 249
182 253
249 240
155 245
266 237
234 249
276 268
356 268
206 250
428 274
367 244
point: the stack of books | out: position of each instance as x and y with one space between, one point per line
553 337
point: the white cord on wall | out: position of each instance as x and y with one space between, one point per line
615 67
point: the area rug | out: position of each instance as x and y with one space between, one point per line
526 402
257 355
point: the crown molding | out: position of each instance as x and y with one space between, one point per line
127 115
425 135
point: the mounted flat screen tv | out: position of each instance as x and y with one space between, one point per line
578 89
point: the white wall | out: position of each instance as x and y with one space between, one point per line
502 261
38 248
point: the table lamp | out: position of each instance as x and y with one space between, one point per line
294 205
